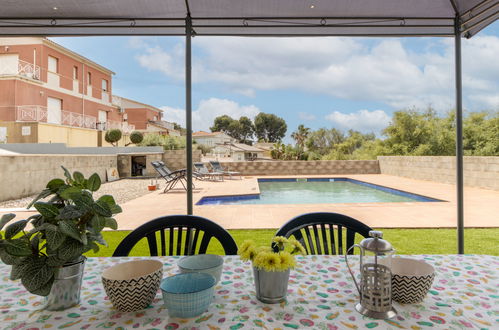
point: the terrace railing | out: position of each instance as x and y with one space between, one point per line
36 113
113 124
21 68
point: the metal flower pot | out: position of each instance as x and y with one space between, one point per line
65 292
271 287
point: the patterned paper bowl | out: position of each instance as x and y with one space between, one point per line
411 280
131 286
188 294
202 263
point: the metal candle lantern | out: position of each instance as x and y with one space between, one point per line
375 287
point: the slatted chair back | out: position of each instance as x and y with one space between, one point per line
324 232
177 235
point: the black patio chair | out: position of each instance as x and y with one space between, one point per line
177 235
171 177
316 232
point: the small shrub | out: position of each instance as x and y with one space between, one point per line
113 136
136 137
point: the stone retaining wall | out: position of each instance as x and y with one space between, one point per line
482 172
24 175
301 167
176 159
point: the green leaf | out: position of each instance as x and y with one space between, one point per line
70 212
54 237
47 210
9 259
14 228
6 218
102 208
17 270
108 199
97 223
67 174
45 289
42 195
18 247
92 246
115 209
70 229
54 261
98 238
37 275
94 182
84 238
83 201
35 242
68 192
78 177
72 250
55 184
111 223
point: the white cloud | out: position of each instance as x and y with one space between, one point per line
348 68
306 116
363 120
203 116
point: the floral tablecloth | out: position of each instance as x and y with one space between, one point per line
321 295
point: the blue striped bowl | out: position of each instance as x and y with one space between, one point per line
188 294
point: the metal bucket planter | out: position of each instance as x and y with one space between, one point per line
271 287
65 292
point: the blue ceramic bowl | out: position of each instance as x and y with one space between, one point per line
202 263
188 294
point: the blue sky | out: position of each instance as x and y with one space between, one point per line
319 82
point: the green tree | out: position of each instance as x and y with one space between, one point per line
269 127
481 134
300 136
113 136
222 124
322 141
246 130
135 138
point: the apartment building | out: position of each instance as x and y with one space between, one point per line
144 117
51 94
212 139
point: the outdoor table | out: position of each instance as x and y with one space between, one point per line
321 295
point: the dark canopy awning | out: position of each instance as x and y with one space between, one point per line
247 17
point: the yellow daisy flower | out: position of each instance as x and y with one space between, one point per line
287 260
267 261
280 241
245 249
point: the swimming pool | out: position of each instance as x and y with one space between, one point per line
317 191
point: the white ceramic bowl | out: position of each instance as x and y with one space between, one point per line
411 280
131 286
202 263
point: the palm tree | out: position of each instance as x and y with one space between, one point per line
300 136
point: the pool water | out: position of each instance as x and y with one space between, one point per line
317 191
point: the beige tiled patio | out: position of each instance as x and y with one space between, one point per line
481 206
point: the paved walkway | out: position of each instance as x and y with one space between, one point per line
481 207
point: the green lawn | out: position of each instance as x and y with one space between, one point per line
405 241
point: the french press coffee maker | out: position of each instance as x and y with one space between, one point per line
375 286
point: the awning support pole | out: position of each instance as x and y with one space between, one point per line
459 140
188 109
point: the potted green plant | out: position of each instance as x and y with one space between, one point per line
46 250
271 266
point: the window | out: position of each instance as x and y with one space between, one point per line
104 85
89 78
75 73
53 64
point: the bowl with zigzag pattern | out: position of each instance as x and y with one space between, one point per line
411 280
132 286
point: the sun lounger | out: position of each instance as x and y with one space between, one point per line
171 177
204 173
217 167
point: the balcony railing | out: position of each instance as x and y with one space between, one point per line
20 68
36 113
113 124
